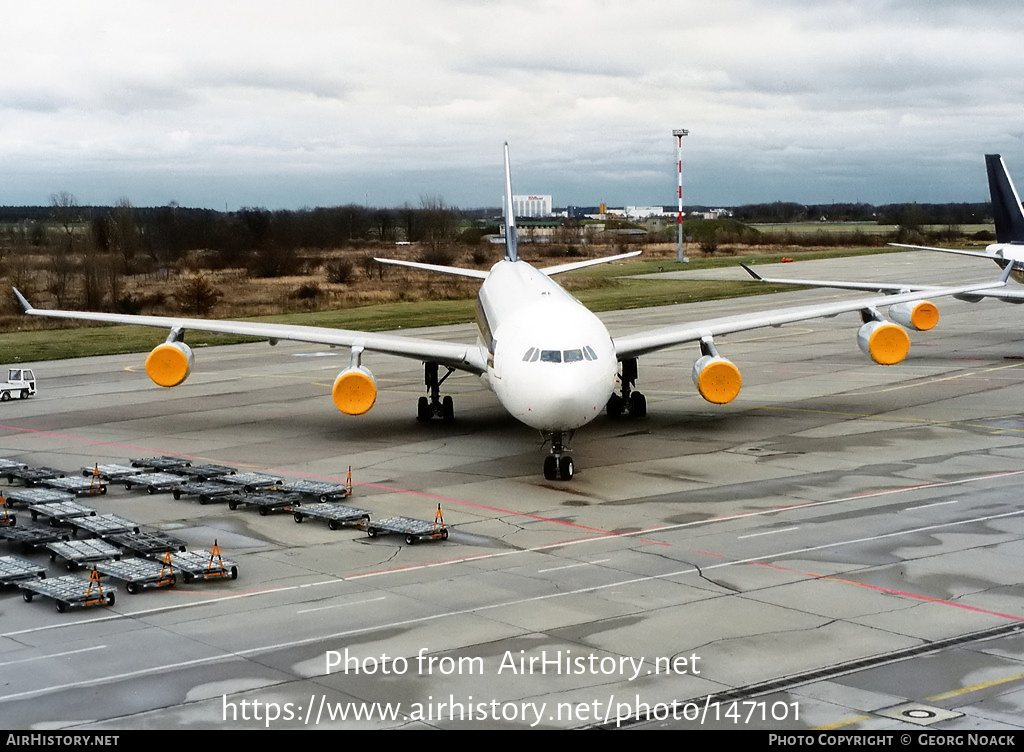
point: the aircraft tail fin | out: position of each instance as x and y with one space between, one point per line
511 251
1006 206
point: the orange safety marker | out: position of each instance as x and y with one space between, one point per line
166 571
438 519
215 554
94 580
348 482
95 482
5 518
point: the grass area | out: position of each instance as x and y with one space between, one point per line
601 288
872 228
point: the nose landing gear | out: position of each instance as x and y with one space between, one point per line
558 465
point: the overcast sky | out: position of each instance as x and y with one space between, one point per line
327 102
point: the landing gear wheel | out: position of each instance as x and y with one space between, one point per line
447 409
423 413
637 405
615 406
566 468
551 467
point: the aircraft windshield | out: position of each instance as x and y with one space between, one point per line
559 356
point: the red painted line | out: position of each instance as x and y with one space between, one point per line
892 591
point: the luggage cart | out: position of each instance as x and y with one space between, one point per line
77 486
251 482
147 544
111 473
154 482
32 476
77 553
70 591
33 537
104 525
161 463
207 491
29 496
59 512
322 490
205 472
6 464
204 565
14 570
337 515
265 503
414 530
140 574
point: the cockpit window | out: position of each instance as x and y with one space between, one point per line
572 356
529 354
551 356
588 351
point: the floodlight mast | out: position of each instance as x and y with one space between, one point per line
679 133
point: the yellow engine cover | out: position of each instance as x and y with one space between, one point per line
354 391
169 364
886 343
717 379
925 316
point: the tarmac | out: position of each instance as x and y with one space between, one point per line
839 548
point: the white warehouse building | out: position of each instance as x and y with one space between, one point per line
531 206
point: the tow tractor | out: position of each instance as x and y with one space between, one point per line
21 383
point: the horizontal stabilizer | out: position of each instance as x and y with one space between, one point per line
458 271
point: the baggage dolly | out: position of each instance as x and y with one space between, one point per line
33 537
29 496
6 464
111 473
139 574
147 544
205 472
154 482
77 553
32 476
251 482
322 490
70 591
207 491
271 501
337 515
104 525
60 512
161 463
414 530
14 570
204 565
77 486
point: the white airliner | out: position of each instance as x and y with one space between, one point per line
1008 250
550 361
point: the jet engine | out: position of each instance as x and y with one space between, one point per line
355 389
921 315
884 342
169 363
718 380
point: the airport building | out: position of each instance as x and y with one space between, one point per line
531 206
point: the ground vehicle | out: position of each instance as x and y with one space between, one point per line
21 383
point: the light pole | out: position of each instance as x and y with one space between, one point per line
679 133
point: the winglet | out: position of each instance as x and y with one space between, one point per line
751 272
25 305
511 251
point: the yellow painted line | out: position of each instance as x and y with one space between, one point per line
840 724
938 380
976 687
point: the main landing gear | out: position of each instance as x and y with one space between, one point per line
627 401
558 464
435 407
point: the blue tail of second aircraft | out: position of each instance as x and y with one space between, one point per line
1006 207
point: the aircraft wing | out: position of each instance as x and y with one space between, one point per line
452 354
1011 296
634 345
